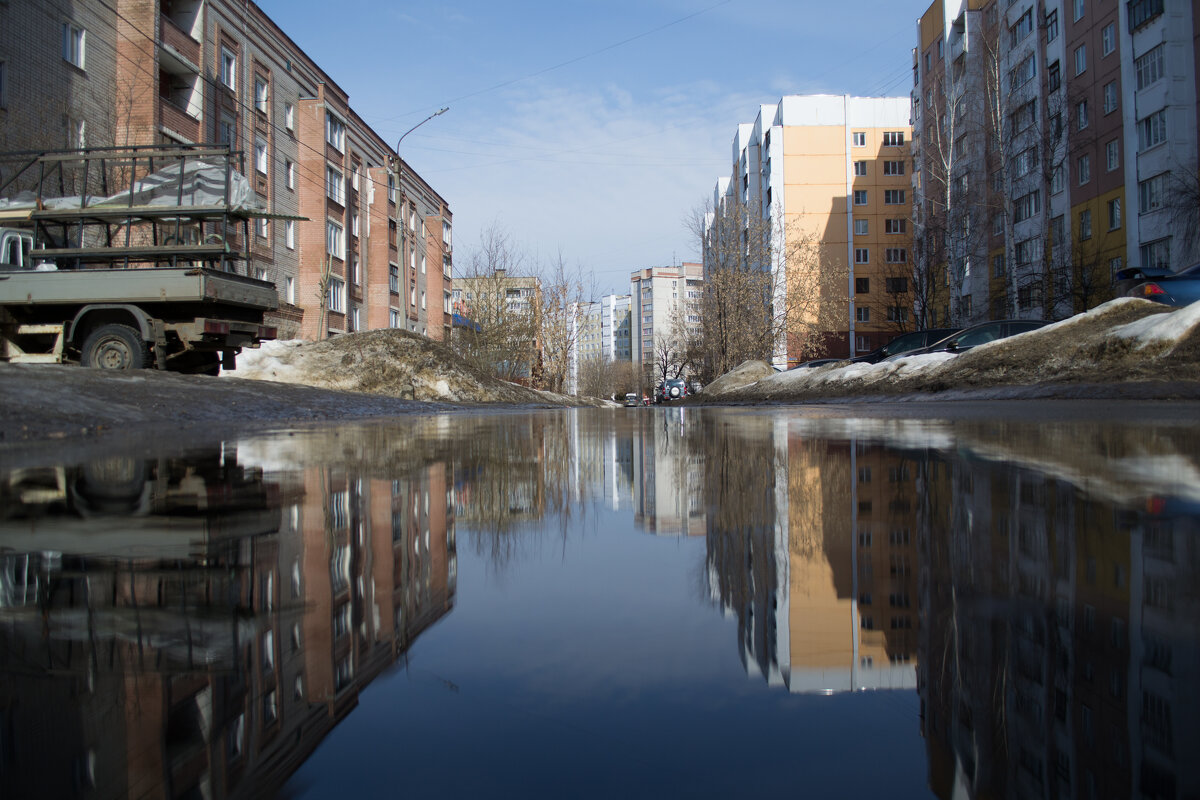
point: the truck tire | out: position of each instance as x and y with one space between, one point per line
115 346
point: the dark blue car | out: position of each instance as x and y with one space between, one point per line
1171 289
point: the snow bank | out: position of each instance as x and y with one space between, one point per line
1166 329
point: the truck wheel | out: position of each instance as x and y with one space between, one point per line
115 346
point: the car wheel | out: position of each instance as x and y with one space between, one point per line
116 347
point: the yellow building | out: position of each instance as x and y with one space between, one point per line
831 177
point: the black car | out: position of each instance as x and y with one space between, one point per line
904 343
976 335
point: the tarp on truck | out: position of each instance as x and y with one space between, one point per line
199 182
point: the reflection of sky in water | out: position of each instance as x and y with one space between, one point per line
597 666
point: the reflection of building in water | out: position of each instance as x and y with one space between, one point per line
217 640
1060 650
603 460
501 474
667 474
818 562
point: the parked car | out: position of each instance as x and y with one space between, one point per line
1172 289
632 400
906 342
1125 280
816 362
674 389
976 335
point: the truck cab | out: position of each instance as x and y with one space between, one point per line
16 251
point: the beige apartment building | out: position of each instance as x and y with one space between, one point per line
355 239
828 176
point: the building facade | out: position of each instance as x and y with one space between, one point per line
1054 143
659 298
355 239
826 181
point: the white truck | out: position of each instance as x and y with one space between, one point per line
187 319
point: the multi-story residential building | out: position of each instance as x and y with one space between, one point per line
659 304
1082 116
616 327
826 179
354 238
601 333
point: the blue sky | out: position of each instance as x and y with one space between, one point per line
591 129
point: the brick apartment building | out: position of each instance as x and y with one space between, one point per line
357 240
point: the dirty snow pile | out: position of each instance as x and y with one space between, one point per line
391 362
1123 340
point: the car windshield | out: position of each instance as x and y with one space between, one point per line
902 344
977 337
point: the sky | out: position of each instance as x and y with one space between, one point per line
590 130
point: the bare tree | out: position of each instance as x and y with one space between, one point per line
564 290
500 308
771 289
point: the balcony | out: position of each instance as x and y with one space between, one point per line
178 120
174 38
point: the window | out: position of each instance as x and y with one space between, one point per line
862 314
1025 162
1085 224
335 132
229 68
1078 6
859 138
1084 167
1026 206
860 197
1150 67
393 318
289 234
895 285
998 265
893 197
290 169
354 225
3 104
1022 28
264 227
893 168
1114 213
260 94
1054 76
1023 251
1052 26
1058 231
1057 180
355 275
289 116
1081 115
1152 130
1023 72
998 225
74 44
1142 11
289 289
895 226
1150 193
1156 254
260 156
862 285
335 243
1108 38
337 295
1110 97
227 131
335 187
893 138
861 227
391 188
895 255
354 177
861 255
940 48
1080 59
393 279
1112 154
860 168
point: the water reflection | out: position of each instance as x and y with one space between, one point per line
195 623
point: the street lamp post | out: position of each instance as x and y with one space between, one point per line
400 177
